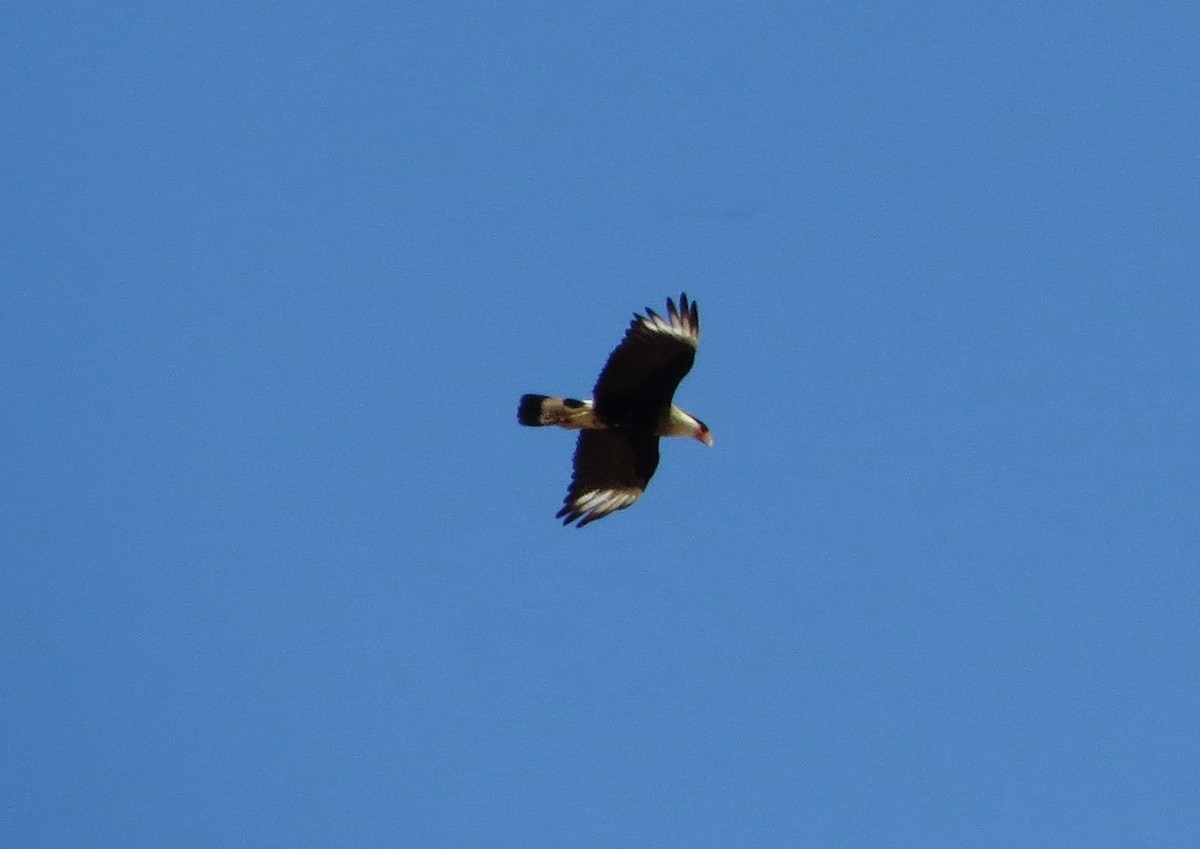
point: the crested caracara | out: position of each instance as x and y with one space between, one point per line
630 409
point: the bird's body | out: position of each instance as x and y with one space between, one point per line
631 408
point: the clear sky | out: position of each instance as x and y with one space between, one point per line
279 568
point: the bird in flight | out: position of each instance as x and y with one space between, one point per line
630 409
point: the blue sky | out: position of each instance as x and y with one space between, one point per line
280 569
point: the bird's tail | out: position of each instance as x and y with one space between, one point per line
538 410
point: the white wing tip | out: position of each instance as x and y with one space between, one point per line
682 322
596 504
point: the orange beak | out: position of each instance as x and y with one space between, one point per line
705 436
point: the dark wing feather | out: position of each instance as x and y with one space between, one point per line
638 381
612 468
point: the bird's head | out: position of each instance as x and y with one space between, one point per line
683 423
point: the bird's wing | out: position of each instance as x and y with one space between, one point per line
642 372
612 468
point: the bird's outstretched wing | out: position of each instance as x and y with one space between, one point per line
641 374
612 468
